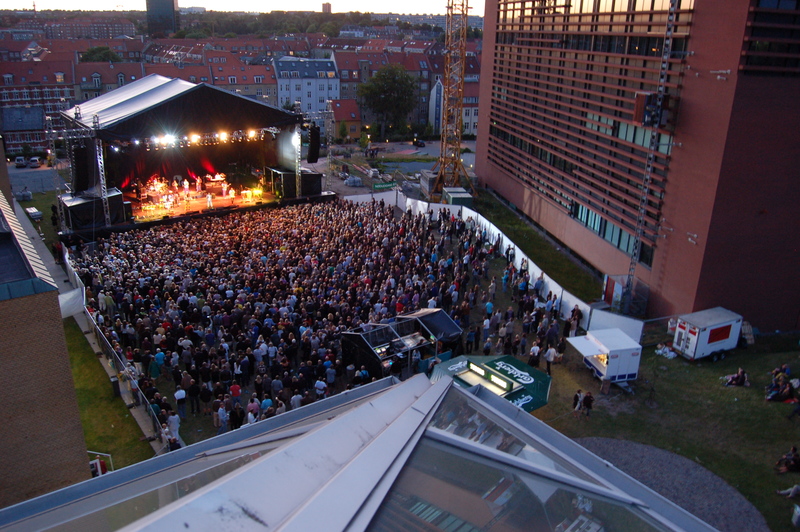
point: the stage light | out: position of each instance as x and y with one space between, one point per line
251 134
296 140
115 148
167 140
223 137
195 139
136 141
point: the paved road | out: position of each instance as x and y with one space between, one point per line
36 179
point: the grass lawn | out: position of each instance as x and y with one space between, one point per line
108 426
43 203
682 407
569 275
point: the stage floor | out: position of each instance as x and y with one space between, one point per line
148 212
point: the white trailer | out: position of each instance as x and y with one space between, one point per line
710 332
610 354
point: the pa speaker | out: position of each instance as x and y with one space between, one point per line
313 144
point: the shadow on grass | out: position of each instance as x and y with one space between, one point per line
108 425
554 262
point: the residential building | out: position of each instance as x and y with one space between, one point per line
326 7
355 68
569 103
312 82
347 112
94 79
418 66
29 93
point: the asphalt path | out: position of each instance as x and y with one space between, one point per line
40 179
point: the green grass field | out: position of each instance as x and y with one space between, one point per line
108 426
560 267
683 407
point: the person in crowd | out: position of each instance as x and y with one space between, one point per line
588 404
577 403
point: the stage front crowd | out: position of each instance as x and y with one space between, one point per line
243 313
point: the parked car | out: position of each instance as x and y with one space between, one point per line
20 162
35 162
419 143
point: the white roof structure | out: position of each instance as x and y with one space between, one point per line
386 456
126 101
710 317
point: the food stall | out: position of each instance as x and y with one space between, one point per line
610 353
377 345
707 332
520 384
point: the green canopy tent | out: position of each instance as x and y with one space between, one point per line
522 385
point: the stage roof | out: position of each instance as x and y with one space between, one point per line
156 105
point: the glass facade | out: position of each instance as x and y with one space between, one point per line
163 17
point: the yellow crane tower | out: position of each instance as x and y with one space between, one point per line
451 171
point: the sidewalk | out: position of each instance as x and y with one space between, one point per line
64 285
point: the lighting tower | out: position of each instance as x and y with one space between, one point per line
450 168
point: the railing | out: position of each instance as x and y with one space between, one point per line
114 359
97 456
658 331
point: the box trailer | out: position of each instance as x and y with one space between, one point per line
710 332
610 354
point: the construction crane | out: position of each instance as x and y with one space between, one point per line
654 123
451 171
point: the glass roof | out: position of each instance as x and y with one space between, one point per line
442 488
462 415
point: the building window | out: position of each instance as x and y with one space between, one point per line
232 80
259 92
121 79
96 82
59 77
258 79
345 74
192 79
8 79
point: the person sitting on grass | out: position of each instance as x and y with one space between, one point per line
790 492
782 393
737 379
788 462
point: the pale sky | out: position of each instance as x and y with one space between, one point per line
338 6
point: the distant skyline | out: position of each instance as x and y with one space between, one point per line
414 7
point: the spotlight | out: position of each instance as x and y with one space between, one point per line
223 137
195 139
251 134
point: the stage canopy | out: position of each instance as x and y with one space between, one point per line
156 106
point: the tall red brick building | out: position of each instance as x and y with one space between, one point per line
562 138
42 448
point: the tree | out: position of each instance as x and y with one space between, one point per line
100 54
391 95
343 130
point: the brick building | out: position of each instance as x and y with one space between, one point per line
42 448
562 138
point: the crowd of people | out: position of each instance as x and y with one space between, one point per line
256 301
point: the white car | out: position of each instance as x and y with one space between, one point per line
35 162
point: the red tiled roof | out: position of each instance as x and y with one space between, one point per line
346 110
